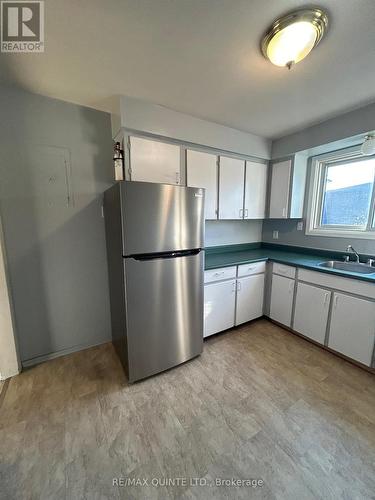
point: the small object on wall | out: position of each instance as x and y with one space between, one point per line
118 162
300 225
368 146
275 235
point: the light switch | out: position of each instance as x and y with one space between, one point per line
300 225
275 235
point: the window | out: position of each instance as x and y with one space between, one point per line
342 195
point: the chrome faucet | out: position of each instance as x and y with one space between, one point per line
351 249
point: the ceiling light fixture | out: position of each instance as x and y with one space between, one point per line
292 37
368 147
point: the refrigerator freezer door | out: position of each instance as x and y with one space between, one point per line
161 217
164 312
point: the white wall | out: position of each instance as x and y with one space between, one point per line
8 353
141 116
233 232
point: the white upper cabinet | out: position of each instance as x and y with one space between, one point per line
231 188
311 311
288 181
255 190
154 161
280 184
352 330
201 171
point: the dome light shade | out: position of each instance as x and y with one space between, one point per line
292 37
368 147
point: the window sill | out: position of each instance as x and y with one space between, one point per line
329 233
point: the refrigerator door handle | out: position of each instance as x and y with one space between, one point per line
165 255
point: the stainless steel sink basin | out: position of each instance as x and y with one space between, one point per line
353 267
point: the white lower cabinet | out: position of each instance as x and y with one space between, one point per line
311 311
352 330
238 298
250 293
282 299
219 306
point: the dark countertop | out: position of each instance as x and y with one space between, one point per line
231 256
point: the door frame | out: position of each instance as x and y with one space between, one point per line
10 363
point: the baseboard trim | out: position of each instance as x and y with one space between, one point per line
9 375
3 390
53 355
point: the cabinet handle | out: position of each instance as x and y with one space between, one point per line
326 298
250 268
246 213
241 213
238 286
177 177
291 287
219 274
284 212
336 300
234 287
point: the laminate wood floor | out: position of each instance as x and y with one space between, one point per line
260 403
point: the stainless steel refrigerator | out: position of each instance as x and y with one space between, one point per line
155 235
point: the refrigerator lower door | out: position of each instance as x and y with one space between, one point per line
164 312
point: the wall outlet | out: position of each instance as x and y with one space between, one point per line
275 235
300 225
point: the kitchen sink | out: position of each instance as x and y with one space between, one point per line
353 267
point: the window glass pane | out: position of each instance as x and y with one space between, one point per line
347 194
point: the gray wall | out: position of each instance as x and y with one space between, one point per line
232 232
350 124
288 235
56 249
327 136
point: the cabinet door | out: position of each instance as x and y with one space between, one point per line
201 171
219 305
231 187
154 161
255 190
311 311
282 299
280 185
250 293
352 330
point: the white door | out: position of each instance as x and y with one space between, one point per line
255 190
311 311
219 305
231 187
282 299
352 330
154 161
280 185
201 171
250 293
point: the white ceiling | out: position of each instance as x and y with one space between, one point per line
201 57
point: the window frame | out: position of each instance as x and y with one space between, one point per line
319 166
